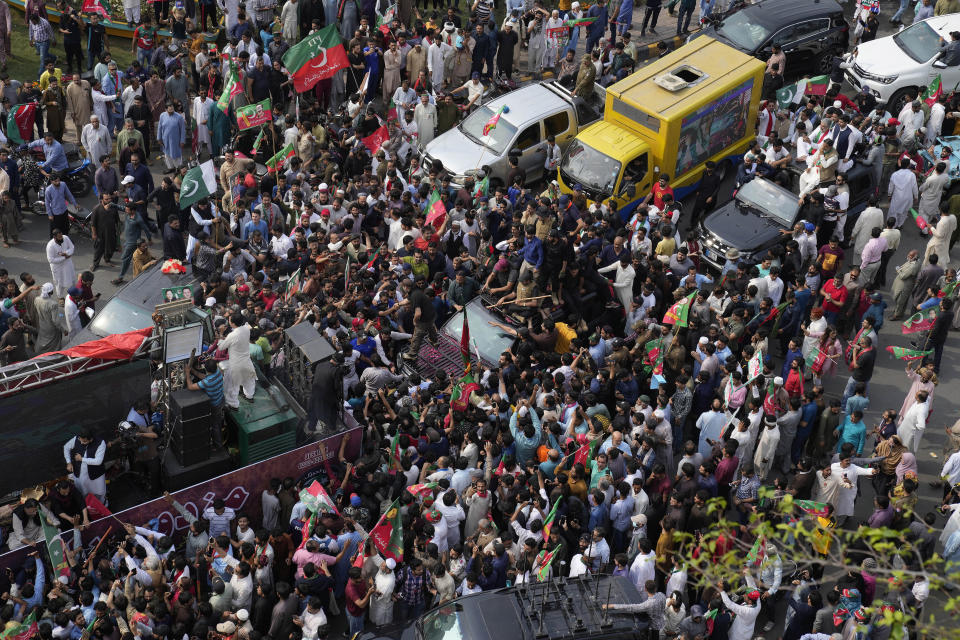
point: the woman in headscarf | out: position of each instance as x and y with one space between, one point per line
891 450
381 602
830 353
50 324
924 379
907 464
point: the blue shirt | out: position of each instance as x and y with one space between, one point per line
37 597
526 447
808 413
621 512
250 227
533 252
213 386
56 159
55 199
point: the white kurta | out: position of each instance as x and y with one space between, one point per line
903 192
102 105
96 140
847 493
82 480
939 242
766 451
426 118
436 55
61 266
930 192
201 113
912 426
72 314
381 605
745 620
239 371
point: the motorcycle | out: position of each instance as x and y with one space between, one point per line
78 175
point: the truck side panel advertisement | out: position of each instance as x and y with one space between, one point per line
713 128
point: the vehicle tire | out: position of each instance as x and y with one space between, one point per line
897 100
823 64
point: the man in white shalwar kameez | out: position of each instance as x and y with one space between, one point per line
903 192
436 56
623 280
290 21
766 448
848 474
94 451
60 256
914 422
239 371
96 140
425 115
200 113
940 235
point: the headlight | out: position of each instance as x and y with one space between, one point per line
873 76
886 79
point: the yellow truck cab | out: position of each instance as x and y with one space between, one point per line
696 104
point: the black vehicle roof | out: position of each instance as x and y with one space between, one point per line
778 13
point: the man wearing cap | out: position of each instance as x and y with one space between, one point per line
746 614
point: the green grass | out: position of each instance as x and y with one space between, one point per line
24 62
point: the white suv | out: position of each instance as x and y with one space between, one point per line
906 62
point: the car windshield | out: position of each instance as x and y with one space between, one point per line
918 41
490 340
743 31
769 199
444 623
497 139
120 316
589 167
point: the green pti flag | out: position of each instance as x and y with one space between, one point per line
548 523
581 22
909 354
543 562
395 455
55 548
280 157
813 508
920 321
252 115
198 183
318 56
817 86
933 91
679 313
20 122
23 631
256 143
460 398
387 534
231 87
948 290
483 189
755 556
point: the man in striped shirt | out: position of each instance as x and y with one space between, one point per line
212 385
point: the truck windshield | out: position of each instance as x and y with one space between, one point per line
743 31
770 200
497 139
490 340
918 41
589 167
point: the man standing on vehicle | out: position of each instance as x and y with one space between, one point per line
423 318
133 227
103 228
950 51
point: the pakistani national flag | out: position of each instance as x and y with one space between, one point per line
316 57
909 354
792 94
316 499
198 183
20 123
231 88
58 558
387 534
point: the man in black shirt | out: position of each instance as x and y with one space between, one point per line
423 316
70 28
938 332
173 245
97 41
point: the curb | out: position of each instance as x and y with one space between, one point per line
646 52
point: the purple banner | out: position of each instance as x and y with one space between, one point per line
240 490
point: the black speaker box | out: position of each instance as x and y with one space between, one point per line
177 475
189 405
192 432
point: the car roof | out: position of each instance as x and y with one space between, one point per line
778 13
528 104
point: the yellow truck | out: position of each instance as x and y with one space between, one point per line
696 104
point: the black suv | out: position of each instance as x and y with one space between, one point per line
810 32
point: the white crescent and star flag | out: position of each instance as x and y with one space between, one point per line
198 183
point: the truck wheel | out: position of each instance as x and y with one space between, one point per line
824 63
899 98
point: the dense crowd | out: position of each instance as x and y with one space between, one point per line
640 388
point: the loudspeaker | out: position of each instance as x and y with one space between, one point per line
192 433
189 405
177 475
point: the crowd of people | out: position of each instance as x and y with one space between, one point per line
652 412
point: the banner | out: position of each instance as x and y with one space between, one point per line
253 115
239 489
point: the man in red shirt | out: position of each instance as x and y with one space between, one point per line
661 187
358 595
834 297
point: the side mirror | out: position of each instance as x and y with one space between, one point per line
939 64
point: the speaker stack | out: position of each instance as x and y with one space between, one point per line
305 348
190 415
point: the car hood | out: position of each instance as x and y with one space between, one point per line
459 153
883 58
742 229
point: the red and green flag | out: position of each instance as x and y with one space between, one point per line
919 220
548 522
375 140
543 562
815 359
460 398
422 490
395 454
818 509
436 212
307 530
756 553
95 6
775 313
586 452
679 312
23 631
581 22
20 123
231 88
58 558
933 91
273 164
653 357
252 115
316 57
769 401
483 189
909 354
816 86
494 119
755 366
920 321
465 343
256 142
317 500
387 534
948 290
